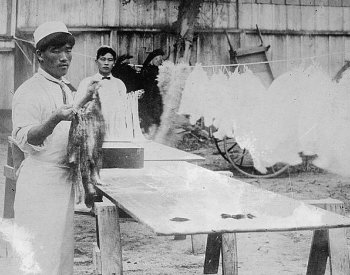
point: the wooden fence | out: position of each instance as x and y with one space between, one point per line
296 30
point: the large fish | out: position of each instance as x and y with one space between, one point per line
86 137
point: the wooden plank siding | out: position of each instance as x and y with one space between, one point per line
6 79
7 46
6 12
294 29
3 17
25 62
84 53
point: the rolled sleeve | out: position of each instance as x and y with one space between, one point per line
22 141
26 114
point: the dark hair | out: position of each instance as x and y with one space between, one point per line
57 39
104 50
153 55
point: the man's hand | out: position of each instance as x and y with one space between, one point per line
66 112
37 134
139 93
92 88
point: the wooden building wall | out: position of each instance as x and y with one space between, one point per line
6 54
295 29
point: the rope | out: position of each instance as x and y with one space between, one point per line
272 61
28 59
23 40
32 43
222 65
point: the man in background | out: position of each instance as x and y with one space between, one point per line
112 93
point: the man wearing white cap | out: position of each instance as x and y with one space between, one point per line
42 108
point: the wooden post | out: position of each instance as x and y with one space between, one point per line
10 185
109 238
229 254
338 252
334 239
212 253
96 259
9 197
318 254
14 159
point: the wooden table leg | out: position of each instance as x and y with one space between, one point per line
9 198
14 160
109 238
96 259
212 253
227 244
229 254
338 252
329 243
318 253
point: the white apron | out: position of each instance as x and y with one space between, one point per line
44 208
44 200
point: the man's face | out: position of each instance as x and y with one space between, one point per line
55 60
105 64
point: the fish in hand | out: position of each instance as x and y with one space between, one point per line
84 150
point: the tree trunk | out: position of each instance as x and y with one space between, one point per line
185 25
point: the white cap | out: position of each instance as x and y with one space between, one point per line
48 28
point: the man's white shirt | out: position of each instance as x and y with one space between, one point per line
113 98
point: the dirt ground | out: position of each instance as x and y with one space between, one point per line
258 253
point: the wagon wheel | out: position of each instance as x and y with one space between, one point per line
242 161
232 148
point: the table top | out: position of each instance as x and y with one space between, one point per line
154 151
182 198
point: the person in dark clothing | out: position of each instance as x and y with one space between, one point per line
151 104
129 75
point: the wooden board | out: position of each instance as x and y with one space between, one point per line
154 151
182 198
122 155
4 12
109 238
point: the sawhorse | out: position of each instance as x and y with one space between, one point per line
325 244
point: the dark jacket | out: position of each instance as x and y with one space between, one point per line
128 75
151 104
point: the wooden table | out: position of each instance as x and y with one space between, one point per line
181 198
